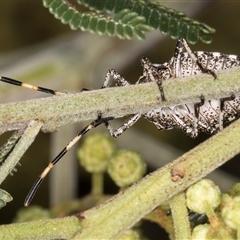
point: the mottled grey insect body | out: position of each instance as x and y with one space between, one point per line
210 116
205 116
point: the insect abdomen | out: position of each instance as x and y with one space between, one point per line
214 61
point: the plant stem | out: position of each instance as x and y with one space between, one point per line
117 102
23 144
97 183
61 228
128 207
180 216
125 209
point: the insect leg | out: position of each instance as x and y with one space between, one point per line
198 105
150 73
196 115
117 132
226 99
30 86
222 104
36 185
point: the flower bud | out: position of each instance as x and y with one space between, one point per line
201 232
202 194
96 151
130 235
32 213
234 190
126 168
231 213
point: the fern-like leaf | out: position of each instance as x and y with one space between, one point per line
171 22
124 24
132 18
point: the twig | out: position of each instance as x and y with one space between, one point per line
55 112
114 217
60 228
182 229
26 140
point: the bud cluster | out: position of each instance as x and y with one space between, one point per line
222 210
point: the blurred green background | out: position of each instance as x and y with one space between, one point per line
27 24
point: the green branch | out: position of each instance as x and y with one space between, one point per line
111 219
182 228
21 147
114 217
128 207
61 228
117 102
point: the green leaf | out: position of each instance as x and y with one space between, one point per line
67 16
153 19
137 21
93 24
102 26
75 21
128 32
129 18
61 10
124 24
192 35
110 28
85 22
164 24
173 28
119 31
183 29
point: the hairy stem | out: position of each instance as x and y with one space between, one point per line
125 209
117 102
179 211
60 228
128 207
26 140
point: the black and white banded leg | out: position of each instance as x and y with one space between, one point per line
196 115
150 74
117 132
92 125
224 101
119 81
36 185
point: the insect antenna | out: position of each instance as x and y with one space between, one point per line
36 185
30 86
